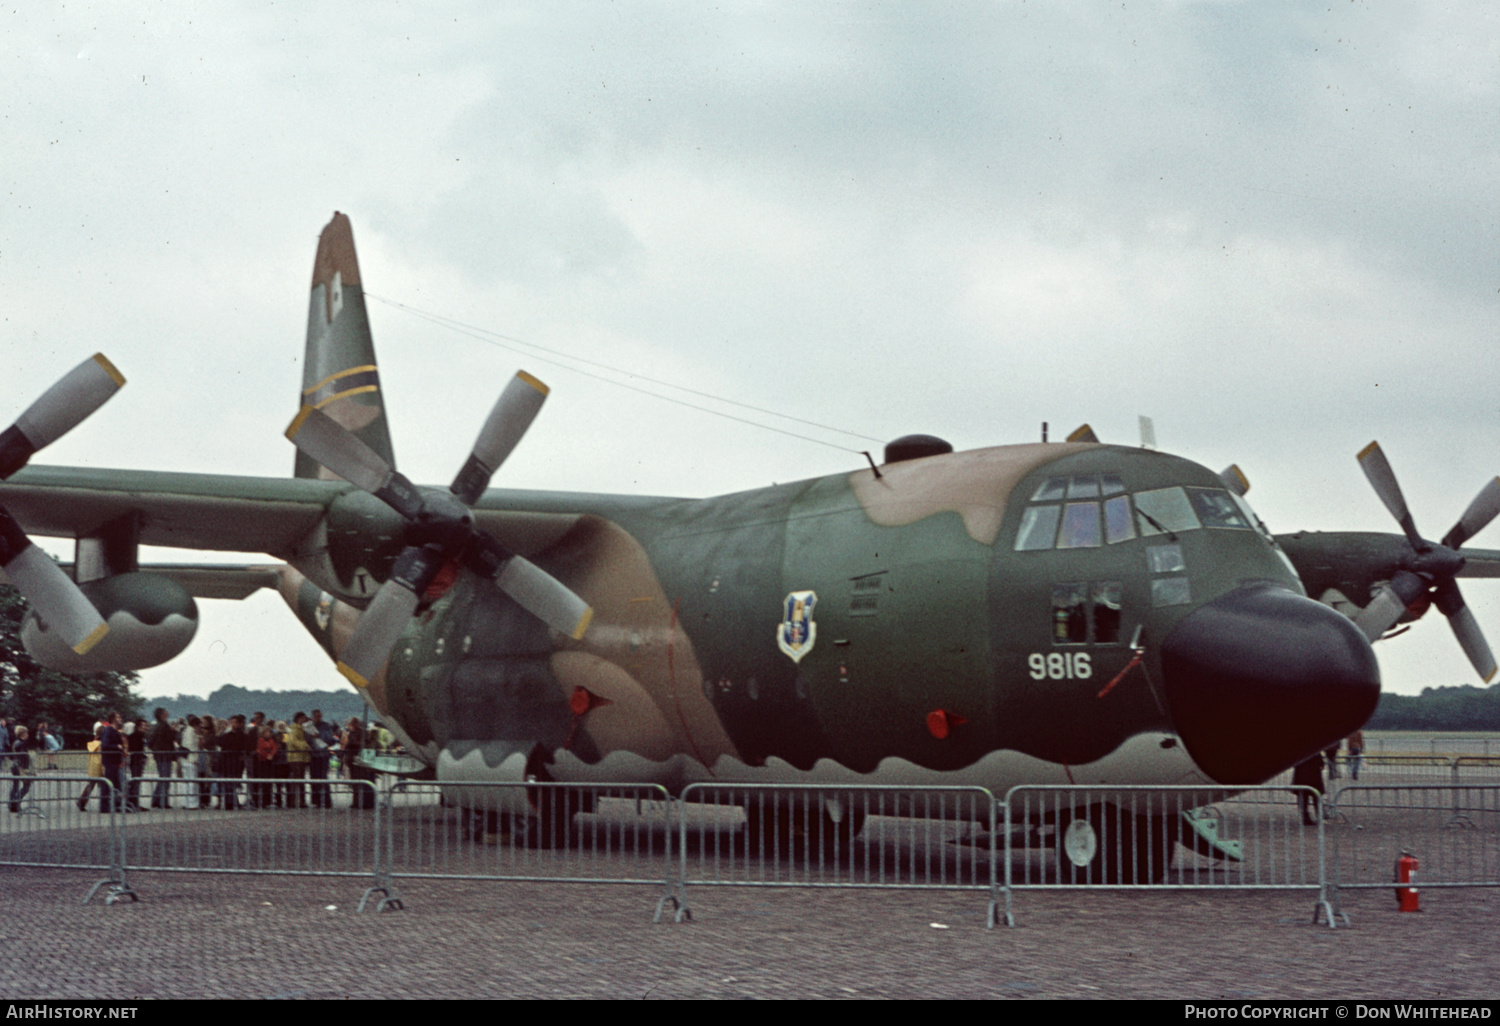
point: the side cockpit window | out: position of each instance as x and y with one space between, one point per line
1217 508
1086 612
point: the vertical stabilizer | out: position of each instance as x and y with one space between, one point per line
339 375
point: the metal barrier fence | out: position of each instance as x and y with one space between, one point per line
1453 831
853 836
1448 745
557 833
1166 838
49 825
334 837
72 821
847 836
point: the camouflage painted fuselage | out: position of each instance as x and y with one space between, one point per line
935 648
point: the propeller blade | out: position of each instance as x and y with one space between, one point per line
332 445
545 597
1465 628
60 409
54 597
1083 433
1378 470
1480 563
512 414
1484 508
1389 605
381 624
1235 480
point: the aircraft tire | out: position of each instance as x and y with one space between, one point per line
1109 845
550 823
802 831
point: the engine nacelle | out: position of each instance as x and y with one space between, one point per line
151 619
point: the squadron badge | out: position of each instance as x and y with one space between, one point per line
797 632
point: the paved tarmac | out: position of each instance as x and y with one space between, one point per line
218 936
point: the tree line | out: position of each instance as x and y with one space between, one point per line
1462 707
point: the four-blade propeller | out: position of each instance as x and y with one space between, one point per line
1432 567
440 531
61 408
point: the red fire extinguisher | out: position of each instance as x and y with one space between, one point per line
1406 874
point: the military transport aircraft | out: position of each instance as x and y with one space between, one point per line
1039 613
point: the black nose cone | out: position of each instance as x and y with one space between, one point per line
1262 677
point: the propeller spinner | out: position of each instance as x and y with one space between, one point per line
1432 567
61 408
440 530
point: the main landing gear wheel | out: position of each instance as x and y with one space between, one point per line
1106 844
776 824
549 824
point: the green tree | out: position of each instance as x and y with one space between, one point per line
30 691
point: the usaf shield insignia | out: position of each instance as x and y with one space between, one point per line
797 631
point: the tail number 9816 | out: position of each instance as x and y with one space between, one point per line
1060 665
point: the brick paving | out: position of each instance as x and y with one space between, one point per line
219 936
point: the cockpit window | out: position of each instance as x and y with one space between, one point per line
1053 489
1163 511
1117 527
1216 508
1080 527
1106 612
1070 624
1057 519
1083 488
1038 528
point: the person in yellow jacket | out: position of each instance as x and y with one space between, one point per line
298 756
96 771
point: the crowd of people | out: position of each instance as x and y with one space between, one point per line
204 762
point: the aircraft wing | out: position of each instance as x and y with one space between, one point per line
190 511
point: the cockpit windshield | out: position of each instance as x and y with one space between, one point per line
1083 511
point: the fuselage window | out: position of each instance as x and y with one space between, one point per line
1112 485
1038 528
1117 527
1164 510
1170 591
1217 508
1080 526
1106 612
1164 559
1070 625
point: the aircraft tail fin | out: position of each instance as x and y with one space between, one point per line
339 374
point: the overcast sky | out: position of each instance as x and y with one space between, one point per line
1272 228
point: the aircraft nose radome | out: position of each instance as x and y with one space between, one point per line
1262 677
